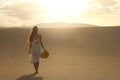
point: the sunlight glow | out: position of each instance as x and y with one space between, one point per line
57 10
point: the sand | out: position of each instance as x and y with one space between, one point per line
75 54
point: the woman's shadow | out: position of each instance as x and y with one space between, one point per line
29 77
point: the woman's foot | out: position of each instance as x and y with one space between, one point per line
36 73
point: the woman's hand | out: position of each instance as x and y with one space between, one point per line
44 49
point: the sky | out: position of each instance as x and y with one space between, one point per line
32 12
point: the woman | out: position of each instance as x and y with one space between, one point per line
35 44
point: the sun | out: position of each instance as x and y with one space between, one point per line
58 10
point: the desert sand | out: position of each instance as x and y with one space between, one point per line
75 54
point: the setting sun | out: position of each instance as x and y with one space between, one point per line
59 10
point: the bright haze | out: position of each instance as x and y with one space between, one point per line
31 12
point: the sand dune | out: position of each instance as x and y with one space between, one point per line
75 54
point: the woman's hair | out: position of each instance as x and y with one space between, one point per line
34 32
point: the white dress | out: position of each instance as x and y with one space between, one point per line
35 51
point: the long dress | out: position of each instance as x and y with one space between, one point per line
35 51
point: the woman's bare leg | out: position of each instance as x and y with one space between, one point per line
36 66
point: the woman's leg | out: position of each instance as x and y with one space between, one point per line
36 66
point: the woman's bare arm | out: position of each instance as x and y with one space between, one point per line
41 42
30 46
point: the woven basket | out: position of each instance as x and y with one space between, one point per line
44 54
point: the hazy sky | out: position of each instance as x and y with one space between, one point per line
30 12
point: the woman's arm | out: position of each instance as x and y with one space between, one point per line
41 42
30 46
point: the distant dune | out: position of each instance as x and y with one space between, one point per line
64 25
60 25
57 25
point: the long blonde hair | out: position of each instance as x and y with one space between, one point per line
33 33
